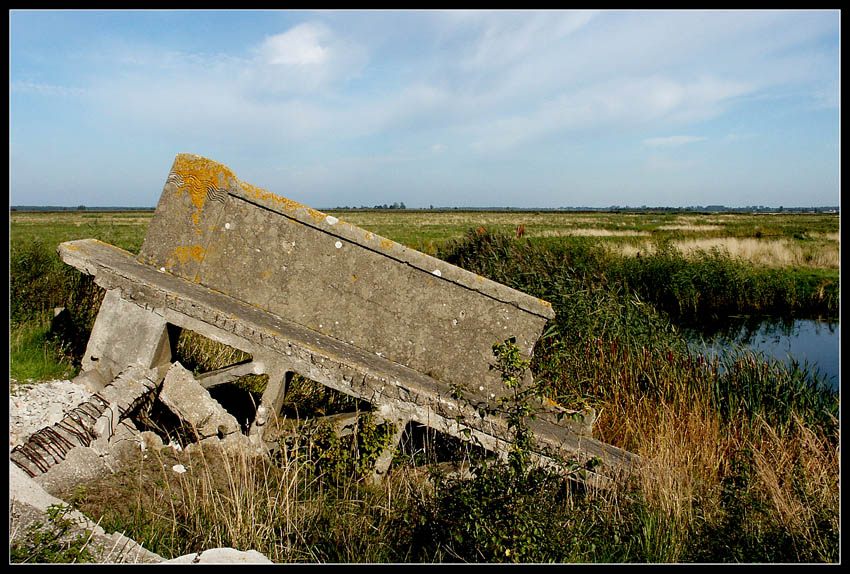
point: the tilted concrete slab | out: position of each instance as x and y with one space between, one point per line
304 292
335 278
398 391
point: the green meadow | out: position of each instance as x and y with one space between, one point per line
739 453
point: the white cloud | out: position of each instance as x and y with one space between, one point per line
615 104
309 58
505 38
46 89
672 141
304 44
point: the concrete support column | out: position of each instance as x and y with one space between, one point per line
125 334
385 459
272 401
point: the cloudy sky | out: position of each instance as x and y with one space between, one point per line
456 108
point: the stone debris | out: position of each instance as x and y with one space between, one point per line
186 398
92 424
38 410
35 406
221 556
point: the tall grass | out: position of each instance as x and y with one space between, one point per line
780 252
282 507
690 418
711 285
34 354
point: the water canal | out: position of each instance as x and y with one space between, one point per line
810 341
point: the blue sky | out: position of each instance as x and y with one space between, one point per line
444 108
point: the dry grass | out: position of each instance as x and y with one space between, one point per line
829 236
800 475
282 508
690 228
588 232
685 455
768 252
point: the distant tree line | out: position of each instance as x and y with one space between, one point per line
396 205
77 208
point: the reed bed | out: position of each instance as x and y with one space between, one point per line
589 232
767 252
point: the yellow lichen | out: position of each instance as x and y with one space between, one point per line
277 201
198 175
184 253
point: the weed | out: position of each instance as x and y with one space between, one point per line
506 511
58 542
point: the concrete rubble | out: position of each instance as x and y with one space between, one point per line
221 556
187 399
94 438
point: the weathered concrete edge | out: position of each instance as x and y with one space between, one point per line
401 253
375 379
25 492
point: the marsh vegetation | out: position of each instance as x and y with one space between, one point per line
740 454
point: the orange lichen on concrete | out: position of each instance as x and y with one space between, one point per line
280 203
196 219
552 403
184 253
199 175
118 249
387 244
268 197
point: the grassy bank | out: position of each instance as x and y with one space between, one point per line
740 456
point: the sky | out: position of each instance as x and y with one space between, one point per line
430 108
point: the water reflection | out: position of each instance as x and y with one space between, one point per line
803 340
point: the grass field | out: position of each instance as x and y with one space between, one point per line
740 455
807 240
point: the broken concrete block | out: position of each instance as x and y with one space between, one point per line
192 403
81 464
150 440
221 556
92 380
91 425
